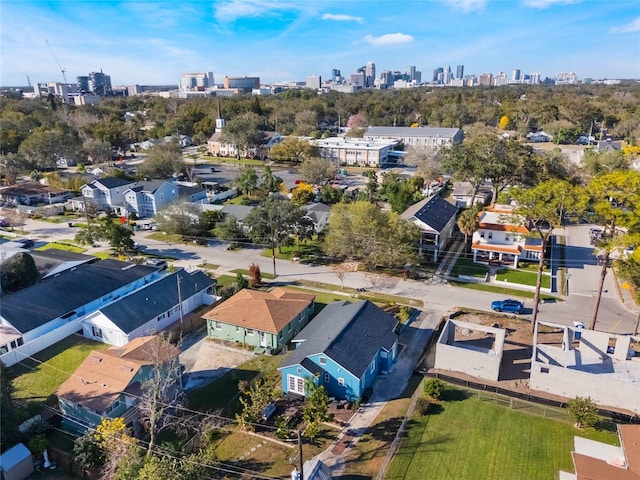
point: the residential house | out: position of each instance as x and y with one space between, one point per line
357 151
33 193
150 309
436 219
420 137
501 238
539 137
593 460
104 193
147 198
108 383
318 213
183 140
239 212
587 363
36 317
343 349
463 195
266 321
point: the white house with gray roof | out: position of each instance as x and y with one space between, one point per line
150 309
417 137
149 197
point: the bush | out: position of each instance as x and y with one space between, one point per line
423 405
583 411
434 388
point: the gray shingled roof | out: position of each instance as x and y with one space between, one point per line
349 333
34 306
434 211
411 132
137 308
113 182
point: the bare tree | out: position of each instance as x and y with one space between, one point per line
162 391
341 271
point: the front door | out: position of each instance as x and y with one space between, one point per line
263 339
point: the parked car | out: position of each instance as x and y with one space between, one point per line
156 262
26 242
508 305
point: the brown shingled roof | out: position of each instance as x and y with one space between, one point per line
267 312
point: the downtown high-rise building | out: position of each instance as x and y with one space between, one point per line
196 82
370 74
438 74
336 77
447 76
516 75
99 83
460 71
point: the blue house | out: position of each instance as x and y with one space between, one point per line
343 349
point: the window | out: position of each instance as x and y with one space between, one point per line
97 332
326 378
299 370
218 326
249 331
507 238
296 384
323 361
481 234
340 381
20 341
237 329
490 235
544 370
372 367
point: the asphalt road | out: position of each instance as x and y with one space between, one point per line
437 296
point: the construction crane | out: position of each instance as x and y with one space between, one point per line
64 74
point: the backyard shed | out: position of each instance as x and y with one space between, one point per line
16 463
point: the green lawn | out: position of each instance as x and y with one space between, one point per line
62 246
469 439
221 394
165 237
466 266
308 251
268 276
512 292
523 277
34 382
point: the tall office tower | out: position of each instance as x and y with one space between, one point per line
357 79
437 74
99 83
500 79
411 71
515 75
386 78
335 75
370 74
535 78
460 71
83 84
447 75
418 77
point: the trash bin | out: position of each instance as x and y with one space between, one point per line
70 224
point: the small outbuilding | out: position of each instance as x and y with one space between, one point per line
16 463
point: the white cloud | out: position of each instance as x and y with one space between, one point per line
542 4
466 5
342 18
388 39
233 9
633 26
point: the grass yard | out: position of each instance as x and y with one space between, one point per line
307 251
469 439
268 276
224 280
523 277
62 246
103 254
35 382
165 237
466 266
222 393
352 293
512 292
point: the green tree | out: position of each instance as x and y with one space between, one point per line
361 231
162 161
241 282
247 181
181 218
98 150
468 223
45 146
229 231
315 408
330 195
8 415
272 222
253 403
302 194
542 208
87 451
18 272
270 182
614 198
108 229
292 150
434 388
316 171
243 132
583 411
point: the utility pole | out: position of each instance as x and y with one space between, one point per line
300 461
273 244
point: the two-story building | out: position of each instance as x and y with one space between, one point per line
419 137
108 383
356 151
502 238
104 193
146 199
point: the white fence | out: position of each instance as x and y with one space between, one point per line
39 344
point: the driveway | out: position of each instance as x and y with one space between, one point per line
205 360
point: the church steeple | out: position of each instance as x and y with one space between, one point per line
219 120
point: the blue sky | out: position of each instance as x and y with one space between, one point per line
154 42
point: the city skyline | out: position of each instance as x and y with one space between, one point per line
154 43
